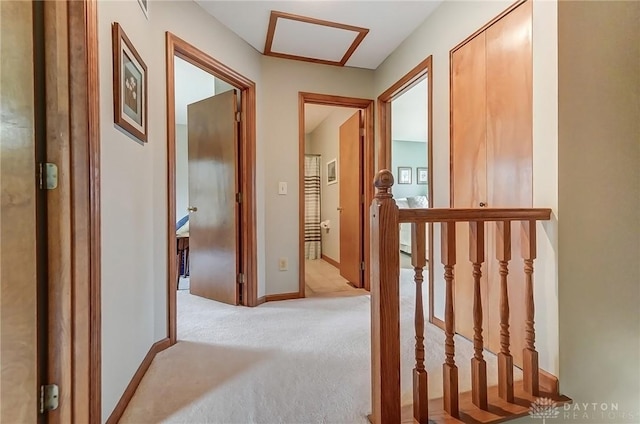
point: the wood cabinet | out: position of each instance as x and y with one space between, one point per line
491 159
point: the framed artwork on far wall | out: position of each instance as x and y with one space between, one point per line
332 171
422 175
404 175
129 86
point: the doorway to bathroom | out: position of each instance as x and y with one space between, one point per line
336 146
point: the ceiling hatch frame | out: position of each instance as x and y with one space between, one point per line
360 33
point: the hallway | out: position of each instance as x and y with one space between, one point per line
297 361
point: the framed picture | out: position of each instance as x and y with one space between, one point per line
422 175
129 86
144 5
404 175
332 171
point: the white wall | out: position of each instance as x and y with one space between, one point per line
599 202
281 82
133 183
412 154
325 141
449 25
182 171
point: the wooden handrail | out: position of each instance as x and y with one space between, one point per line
385 220
468 215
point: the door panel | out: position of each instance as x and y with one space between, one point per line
509 156
213 228
469 166
350 179
18 257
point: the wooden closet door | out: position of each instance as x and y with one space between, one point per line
509 158
468 163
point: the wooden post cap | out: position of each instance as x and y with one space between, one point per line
383 182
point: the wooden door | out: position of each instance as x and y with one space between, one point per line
469 164
491 142
509 158
351 206
18 254
214 211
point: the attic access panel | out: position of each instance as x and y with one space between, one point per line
311 40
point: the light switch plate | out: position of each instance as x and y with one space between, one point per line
282 188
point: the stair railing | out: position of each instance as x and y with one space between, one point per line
385 310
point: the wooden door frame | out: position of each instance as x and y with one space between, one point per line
410 79
176 47
74 245
368 170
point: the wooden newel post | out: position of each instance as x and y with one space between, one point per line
385 303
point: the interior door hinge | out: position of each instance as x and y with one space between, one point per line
239 197
362 266
240 278
362 132
49 397
238 116
47 176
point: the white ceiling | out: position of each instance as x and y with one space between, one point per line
191 85
389 22
315 114
409 114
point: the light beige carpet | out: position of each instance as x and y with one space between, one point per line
297 361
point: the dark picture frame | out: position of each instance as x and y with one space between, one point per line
404 174
129 86
332 171
422 175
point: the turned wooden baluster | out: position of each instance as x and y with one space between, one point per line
449 368
478 364
420 378
529 353
385 303
505 360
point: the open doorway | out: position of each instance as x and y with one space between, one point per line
410 158
406 150
333 216
196 94
336 158
211 163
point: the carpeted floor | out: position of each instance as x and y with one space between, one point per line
297 361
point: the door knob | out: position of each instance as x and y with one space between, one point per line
483 205
339 208
192 209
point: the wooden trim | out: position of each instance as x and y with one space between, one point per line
156 348
175 46
477 214
329 260
79 205
408 81
361 33
261 300
368 169
548 382
487 25
282 296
